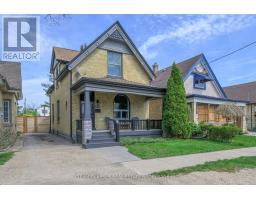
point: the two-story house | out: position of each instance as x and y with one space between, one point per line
110 80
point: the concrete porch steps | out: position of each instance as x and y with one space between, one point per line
102 139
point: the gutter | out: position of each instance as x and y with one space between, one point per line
217 98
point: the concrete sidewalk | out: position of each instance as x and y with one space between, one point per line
145 167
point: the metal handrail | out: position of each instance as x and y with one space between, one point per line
116 128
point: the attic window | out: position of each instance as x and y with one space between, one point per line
199 82
114 63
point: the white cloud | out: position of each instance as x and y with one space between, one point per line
242 77
197 29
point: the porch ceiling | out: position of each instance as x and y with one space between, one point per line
214 100
100 85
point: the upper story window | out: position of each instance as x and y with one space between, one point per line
114 63
7 111
199 82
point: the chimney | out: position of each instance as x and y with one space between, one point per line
155 68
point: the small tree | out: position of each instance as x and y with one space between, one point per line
175 114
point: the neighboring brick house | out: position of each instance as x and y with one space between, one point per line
110 79
10 93
245 92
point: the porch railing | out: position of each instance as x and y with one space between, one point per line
138 124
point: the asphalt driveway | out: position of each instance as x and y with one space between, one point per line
49 159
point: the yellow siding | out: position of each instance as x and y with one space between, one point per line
96 66
139 107
62 93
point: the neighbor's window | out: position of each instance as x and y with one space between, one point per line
7 111
199 82
58 111
121 107
114 63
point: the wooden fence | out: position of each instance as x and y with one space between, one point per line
33 124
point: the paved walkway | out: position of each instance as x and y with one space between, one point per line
144 167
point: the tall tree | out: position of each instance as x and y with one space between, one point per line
175 114
47 85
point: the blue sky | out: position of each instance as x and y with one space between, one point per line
160 38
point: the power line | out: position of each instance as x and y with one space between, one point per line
244 47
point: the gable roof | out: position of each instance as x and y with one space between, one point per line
64 54
11 72
184 66
114 31
245 91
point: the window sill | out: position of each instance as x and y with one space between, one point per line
114 77
199 88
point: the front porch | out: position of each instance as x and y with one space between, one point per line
107 111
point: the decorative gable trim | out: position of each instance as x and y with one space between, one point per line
115 32
210 74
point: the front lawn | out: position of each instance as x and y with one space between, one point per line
147 148
230 165
4 157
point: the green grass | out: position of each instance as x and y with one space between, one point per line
147 148
4 157
220 165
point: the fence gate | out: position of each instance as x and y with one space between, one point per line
33 124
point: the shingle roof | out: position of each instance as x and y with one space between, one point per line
163 75
64 54
11 71
246 92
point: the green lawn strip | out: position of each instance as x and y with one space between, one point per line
147 148
227 165
4 157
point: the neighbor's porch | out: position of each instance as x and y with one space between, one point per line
205 109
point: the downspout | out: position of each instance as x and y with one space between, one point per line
71 121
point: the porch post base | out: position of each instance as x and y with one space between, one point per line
86 131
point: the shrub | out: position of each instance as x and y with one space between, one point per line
175 112
221 133
7 137
236 130
205 128
195 129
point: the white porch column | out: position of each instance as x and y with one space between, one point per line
194 115
244 125
86 121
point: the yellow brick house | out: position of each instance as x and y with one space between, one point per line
109 88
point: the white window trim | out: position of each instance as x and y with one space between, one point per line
9 111
117 65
